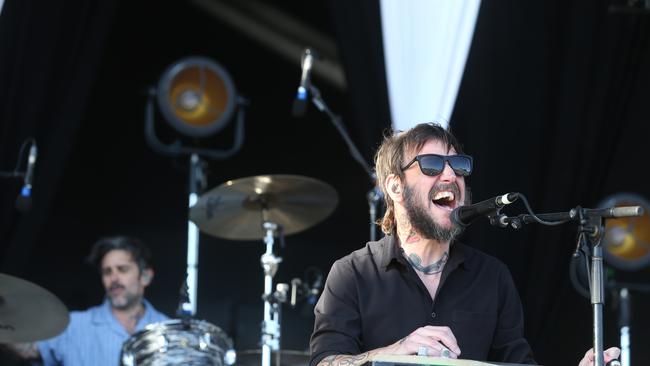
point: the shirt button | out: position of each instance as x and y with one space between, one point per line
433 315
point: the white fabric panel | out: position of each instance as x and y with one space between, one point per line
426 43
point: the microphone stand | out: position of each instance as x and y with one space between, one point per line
591 228
374 195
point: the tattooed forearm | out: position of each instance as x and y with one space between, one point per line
345 360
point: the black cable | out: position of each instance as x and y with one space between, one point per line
536 218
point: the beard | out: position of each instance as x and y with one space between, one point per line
125 300
421 219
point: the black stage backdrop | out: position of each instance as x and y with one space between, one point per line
551 105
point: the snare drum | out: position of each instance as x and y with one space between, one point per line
178 342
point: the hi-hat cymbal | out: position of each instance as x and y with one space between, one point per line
29 312
237 209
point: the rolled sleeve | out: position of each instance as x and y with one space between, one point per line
48 350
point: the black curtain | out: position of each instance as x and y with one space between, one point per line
357 25
553 104
51 51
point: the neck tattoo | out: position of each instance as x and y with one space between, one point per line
433 268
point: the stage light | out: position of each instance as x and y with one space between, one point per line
626 242
196 96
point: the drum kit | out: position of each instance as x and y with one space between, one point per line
253 208
261 207
29 312
265 208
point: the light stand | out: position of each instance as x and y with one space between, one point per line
197 98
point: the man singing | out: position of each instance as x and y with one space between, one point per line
416 291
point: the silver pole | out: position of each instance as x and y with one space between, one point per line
271 324
597 301
624 296
196 176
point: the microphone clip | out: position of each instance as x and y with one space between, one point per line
498 219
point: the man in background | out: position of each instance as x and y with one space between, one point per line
95 336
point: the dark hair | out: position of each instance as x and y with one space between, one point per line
390 158
141 254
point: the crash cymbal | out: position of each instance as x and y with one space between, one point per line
237 208
28 312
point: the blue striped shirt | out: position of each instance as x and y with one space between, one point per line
93 337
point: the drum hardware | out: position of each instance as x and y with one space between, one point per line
309 288
271 322
179 342
265 207
28 312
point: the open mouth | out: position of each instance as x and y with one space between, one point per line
115 290
445 200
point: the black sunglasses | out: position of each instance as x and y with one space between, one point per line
434 164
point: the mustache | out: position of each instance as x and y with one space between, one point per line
115 286
452 187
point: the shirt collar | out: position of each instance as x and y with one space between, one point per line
391 252
103 314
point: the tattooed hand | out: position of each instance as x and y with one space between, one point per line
433 339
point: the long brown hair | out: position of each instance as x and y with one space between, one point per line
390 159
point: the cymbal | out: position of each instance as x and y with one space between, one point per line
253 357
29 312
237 208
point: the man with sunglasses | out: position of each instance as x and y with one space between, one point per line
413 291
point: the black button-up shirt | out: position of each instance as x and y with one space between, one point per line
373 298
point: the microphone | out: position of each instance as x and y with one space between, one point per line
24 199
300 103
464 215
315 289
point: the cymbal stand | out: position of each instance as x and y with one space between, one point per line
271 323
